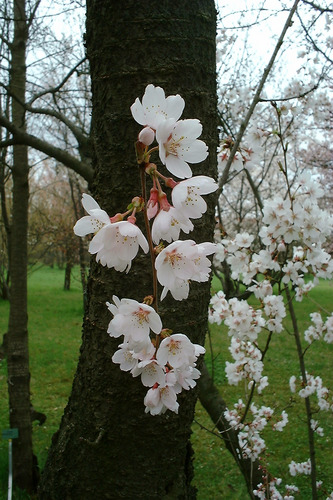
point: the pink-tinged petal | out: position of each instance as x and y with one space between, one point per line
112 308
164 130
89 203
199 350
137 112
123 266
155 322
97 242
180 192
195 152
153 97
116 300
169 398
87 225
147 136
181 290
164 293
143 242
186 129
207 248
206 184
152 374
153 402
178 167
174 106
100 215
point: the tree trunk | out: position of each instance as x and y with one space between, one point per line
18 353
107 446
68 273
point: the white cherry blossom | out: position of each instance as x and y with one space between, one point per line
159 399
151 373
156 108
132 319
176 350
124 357
93 222
180 262
116 245
186 195
168 224
179 144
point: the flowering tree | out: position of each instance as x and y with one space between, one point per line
275 262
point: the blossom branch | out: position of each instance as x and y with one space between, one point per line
148 232
307 399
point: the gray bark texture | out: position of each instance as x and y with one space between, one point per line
17 347
107 447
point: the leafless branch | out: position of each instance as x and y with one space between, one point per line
21 137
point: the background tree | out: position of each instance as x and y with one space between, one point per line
17 338
55 205
18 23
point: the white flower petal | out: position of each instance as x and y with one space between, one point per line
89 203
178 167
87 225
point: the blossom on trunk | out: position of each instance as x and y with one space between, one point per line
179 144
117 244
156 108
93 222
168 224
160 399
114 243
186 195
180 262
177 350
133 320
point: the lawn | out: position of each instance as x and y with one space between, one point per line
55 318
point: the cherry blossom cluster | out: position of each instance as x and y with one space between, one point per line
165 362
251 444
290 249
295 219
315 386
320 329
246 156
261 491
300 468
166 368
244 324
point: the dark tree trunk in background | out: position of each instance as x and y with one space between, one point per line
18 352
107 447
68 273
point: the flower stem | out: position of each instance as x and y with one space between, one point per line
307 399
149 238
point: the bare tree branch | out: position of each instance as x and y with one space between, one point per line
318 7
313 43
53 90
21 137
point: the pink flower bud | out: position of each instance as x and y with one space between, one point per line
147 136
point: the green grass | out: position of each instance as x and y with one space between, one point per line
55 318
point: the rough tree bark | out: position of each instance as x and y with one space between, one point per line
17 348
107 447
